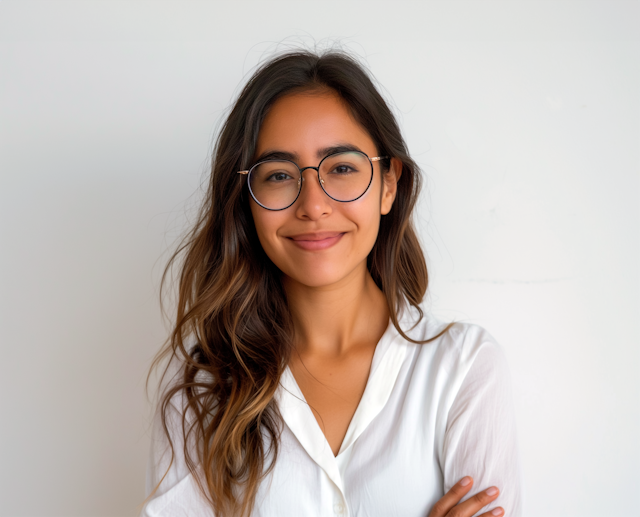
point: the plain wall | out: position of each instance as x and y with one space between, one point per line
525 117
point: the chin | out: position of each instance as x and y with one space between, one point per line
320 276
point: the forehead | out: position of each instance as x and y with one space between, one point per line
304 123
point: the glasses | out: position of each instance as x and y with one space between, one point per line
344 177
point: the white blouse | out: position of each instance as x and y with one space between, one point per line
430 415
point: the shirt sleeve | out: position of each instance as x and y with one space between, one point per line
480 439
171 488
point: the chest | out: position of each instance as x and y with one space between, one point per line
333 389
391 469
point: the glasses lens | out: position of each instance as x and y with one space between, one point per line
275 184
346 176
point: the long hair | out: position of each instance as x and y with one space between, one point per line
233 329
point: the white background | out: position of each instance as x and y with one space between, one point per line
525 117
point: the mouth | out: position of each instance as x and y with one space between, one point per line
316 241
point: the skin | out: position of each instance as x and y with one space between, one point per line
321 247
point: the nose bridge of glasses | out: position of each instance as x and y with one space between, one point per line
305 192
317 173
302 169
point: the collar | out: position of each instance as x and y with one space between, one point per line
387 360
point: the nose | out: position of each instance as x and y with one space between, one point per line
312 203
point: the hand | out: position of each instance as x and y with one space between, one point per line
448 505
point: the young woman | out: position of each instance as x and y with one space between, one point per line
304 377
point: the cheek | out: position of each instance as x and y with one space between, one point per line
267 224
366 216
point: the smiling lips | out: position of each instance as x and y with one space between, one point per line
316 241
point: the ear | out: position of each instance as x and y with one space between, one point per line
390 186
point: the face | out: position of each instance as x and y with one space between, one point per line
318 241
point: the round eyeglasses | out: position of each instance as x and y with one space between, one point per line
344 177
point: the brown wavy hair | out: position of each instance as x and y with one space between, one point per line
233 329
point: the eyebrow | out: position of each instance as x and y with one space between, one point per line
274 154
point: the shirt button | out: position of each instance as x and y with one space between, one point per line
338 508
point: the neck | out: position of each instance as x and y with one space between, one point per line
332 320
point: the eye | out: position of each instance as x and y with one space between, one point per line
343 168
279 177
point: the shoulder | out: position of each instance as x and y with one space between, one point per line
455 337
452 347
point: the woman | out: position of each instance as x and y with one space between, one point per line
304 378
